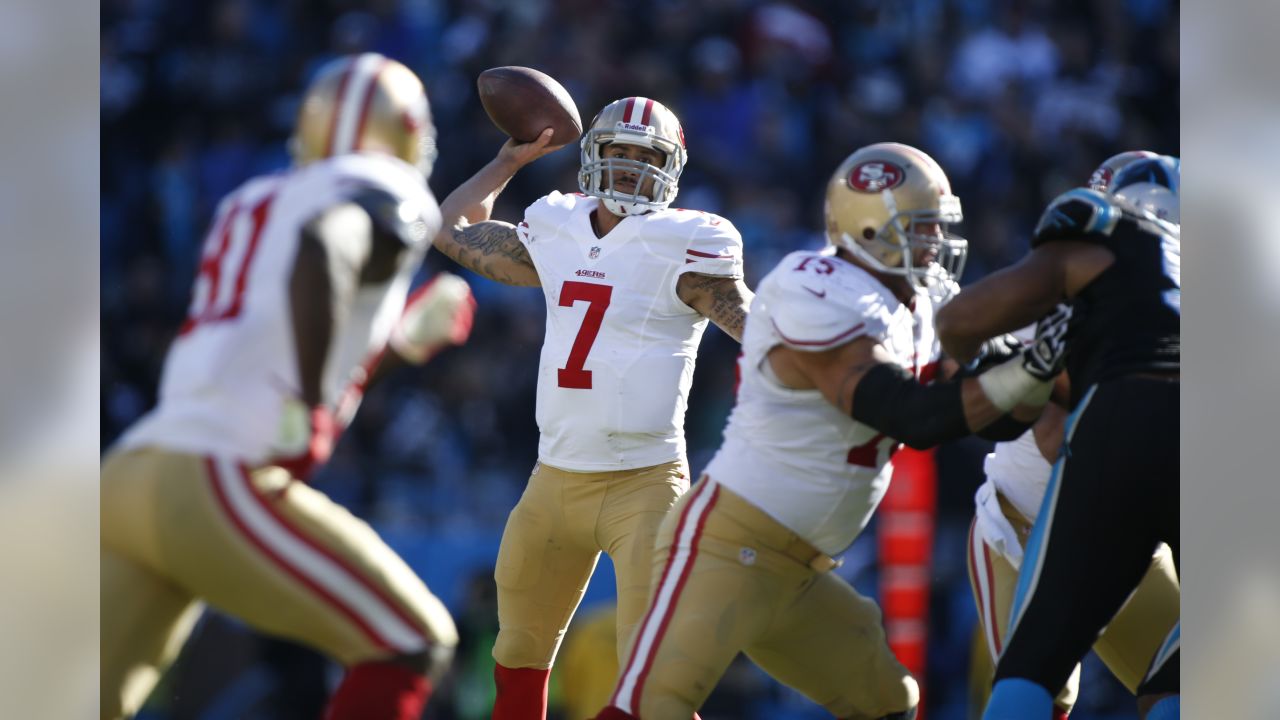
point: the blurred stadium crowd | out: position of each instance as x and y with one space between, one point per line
1017 99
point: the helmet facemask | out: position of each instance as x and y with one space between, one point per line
599 175
896 247
418 117
642 122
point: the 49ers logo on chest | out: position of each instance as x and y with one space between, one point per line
875 175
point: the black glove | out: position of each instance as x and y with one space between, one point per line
1046 357
991 352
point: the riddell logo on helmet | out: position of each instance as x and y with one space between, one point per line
875 176
635 127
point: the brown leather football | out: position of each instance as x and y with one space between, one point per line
523 102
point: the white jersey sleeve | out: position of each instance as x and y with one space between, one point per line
546 216
814 308
715 247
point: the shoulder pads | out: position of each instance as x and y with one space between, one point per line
391 215
817 305
1078 214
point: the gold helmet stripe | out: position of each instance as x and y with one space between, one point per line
354 93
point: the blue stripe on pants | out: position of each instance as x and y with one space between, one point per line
1033 558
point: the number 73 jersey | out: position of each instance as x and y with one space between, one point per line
790 452
617 360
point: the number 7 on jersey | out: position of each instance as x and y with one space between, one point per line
574 374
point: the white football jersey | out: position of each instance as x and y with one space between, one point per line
1016 468
790 452
617 360
1019 472
233 364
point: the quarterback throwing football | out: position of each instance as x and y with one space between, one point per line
630 283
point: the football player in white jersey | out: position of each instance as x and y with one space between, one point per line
837 357
1018 472
301 285
630 283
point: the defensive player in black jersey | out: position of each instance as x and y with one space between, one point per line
1113 262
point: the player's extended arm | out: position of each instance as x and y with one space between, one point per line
312 307
725 301
349 245
488 247
862 380
1018 295
1002 302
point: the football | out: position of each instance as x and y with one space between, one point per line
522 102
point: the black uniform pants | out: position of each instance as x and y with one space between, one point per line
1112 499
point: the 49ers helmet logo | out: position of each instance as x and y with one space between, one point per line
876 175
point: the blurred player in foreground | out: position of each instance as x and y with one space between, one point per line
837 361
301 285
1017 475
630 283
1113 497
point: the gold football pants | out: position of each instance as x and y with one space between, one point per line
551 543
729 578
178 529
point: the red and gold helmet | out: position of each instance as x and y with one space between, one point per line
876 200
365 103
633 121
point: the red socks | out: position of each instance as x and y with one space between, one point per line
1059 713
522 693
379 691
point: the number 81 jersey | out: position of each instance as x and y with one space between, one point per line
617 360
791 452
233 365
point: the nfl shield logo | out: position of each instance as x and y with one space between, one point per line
595 252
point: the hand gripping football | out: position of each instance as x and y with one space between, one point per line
522 102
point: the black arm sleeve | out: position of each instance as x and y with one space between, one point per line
889 399
1004 429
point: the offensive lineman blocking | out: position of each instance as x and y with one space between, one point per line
836 354
630 284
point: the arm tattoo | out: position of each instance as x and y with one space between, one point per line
723 300
492 249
